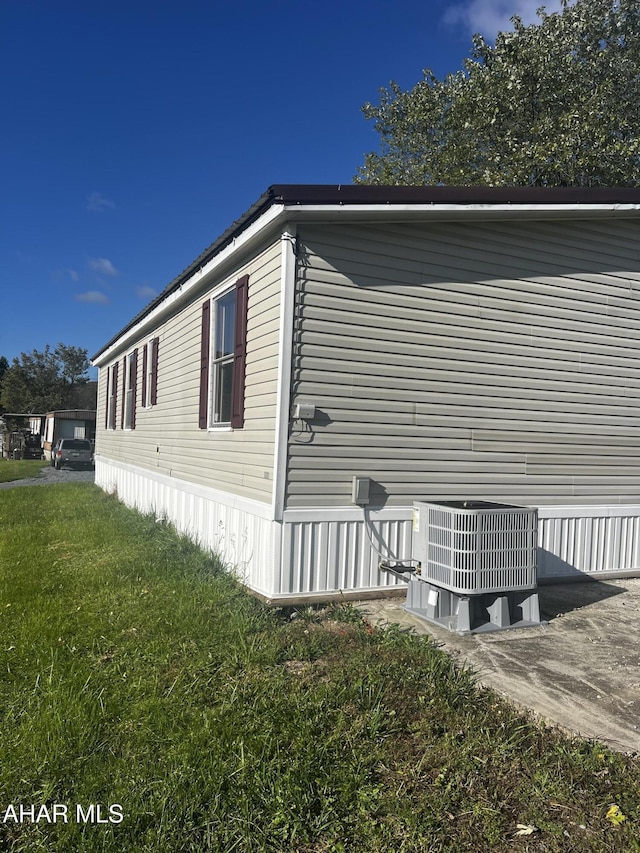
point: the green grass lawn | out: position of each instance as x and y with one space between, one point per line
137 675
20 469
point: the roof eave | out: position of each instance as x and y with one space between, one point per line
441 212
310 202
192 279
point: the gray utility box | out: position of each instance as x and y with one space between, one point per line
477 565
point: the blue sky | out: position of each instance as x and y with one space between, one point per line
135 131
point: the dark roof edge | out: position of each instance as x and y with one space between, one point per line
373 194
354 194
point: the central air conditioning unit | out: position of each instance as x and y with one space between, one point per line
477 565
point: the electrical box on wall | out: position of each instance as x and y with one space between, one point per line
360 490
304 411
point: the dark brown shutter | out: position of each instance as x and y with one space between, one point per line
108 396
239 353
144 375
205 335
124 390
114 388
155 346
134 388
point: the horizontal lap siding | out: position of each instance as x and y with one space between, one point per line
485 360
167 438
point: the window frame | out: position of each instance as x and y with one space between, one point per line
112 396
210 365
130 385
144 400
151 379
218 363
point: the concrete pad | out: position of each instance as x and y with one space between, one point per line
581 671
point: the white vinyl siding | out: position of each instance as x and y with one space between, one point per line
495 360
167 438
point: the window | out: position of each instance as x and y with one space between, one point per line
145 367
131 371
75 443
222 360
151 374
112 393
224 324
108 400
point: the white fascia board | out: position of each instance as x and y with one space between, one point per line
183 293
285 350
436 211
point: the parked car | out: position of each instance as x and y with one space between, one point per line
75 452
32 447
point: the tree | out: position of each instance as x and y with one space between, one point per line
4 366
555 103
42 381
74 364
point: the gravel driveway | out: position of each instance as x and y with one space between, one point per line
50 475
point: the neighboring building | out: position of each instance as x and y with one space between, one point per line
20 435
444 342
36 424
70 423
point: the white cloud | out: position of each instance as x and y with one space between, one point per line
93 296
489 17
97 203
63 275
146 292
103 265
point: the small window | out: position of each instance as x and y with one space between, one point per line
145 366
130 390
222 358
224 320
108 400
112 393
151 373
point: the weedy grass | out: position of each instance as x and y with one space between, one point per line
20 469
135 671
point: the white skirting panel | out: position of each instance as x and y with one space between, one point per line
335 549
239 530
593 540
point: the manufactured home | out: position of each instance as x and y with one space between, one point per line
343 351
